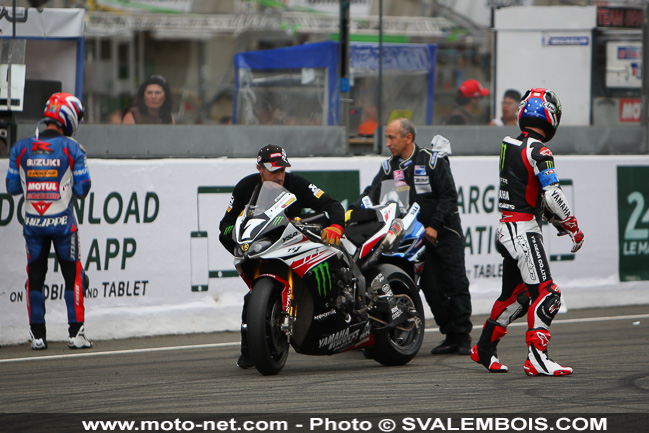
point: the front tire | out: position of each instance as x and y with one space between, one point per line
400 345
267 344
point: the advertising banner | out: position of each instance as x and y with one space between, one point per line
149 240
624 64
633 222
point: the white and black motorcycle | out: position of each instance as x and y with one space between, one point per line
319 299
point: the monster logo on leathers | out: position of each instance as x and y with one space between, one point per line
323 278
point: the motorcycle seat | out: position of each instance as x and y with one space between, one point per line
359 233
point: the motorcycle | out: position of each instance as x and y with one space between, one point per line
319 299
410 248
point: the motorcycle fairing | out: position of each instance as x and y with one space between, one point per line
328 337
305 262
387 215
411 246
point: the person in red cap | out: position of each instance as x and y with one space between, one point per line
467 100
271 165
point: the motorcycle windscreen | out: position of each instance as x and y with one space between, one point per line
265 210
397 192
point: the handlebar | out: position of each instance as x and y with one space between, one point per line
311 231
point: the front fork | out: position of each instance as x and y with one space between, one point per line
289 308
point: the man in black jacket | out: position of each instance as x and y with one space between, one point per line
271 165
444 281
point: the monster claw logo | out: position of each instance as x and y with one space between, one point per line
278 220
323 278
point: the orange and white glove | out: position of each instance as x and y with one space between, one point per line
331 235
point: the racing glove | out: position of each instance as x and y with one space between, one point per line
331 235
552 219
577 236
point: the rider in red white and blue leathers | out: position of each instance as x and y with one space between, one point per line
529 191
49 169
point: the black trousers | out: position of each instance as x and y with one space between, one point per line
445 284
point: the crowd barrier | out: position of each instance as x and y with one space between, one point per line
149 238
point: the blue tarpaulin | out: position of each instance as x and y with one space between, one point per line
363 59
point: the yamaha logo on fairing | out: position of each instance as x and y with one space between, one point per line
289 237
338 339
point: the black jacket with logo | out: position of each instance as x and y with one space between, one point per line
307 194
431 185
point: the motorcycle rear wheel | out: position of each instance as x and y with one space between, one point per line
398 346
267 344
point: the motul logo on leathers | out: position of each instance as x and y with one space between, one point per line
42 186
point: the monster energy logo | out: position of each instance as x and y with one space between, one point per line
227 230
503 149
323 278
277 220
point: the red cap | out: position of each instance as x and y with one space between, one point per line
472 89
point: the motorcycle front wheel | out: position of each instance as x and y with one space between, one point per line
267 344
401 344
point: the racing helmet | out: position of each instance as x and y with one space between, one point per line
65 110
540 108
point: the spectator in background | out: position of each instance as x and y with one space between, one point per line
152 105
509 107
370 123
115 117
467 101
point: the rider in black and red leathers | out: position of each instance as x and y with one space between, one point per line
529 190
271 164
50 169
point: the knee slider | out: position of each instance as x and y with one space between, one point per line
514 311
523 300
550 305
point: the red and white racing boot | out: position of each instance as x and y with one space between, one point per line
485 351
493 364
538 362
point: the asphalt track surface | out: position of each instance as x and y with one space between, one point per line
196 374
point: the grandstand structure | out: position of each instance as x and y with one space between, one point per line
106 24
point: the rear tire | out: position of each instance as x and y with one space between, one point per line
399 346
267 344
